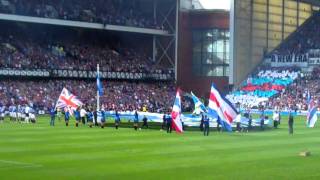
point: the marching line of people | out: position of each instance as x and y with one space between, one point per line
92 118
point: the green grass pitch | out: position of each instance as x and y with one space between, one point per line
38 151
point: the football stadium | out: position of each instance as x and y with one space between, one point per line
159 89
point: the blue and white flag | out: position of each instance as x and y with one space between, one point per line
198 105
220 105
312 114
99 85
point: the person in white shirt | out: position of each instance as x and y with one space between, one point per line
238 122
83 113
276 118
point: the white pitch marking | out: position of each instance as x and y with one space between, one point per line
21 164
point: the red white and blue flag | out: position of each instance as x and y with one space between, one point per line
68 101
312 114
176 113
222 107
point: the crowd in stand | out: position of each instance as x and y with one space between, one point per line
21 51
117 12
263 85
305 38
121 96
297 93
286 87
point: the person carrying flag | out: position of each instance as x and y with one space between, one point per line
169 123
66 116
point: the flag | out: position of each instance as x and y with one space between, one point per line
224 109
99 85
176 114
312 114
68 100
198 105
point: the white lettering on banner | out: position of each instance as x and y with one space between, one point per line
300 60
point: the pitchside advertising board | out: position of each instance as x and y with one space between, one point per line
83 74
312 57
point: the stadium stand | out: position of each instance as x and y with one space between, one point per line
29 46
120 95
285 85
33 49
125 12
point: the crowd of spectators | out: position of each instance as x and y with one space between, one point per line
297 93
23 52
121 96
116 12
264 84
305 38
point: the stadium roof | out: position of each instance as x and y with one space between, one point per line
314 2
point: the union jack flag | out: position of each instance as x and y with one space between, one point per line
68 101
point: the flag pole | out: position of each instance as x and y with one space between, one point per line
98 96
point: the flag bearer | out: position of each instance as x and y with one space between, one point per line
169 123
66 116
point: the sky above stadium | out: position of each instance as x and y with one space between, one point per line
216 4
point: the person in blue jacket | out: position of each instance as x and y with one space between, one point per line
77 116
103 118
136 121
206 123
90 117
66 116
52 116
117 120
